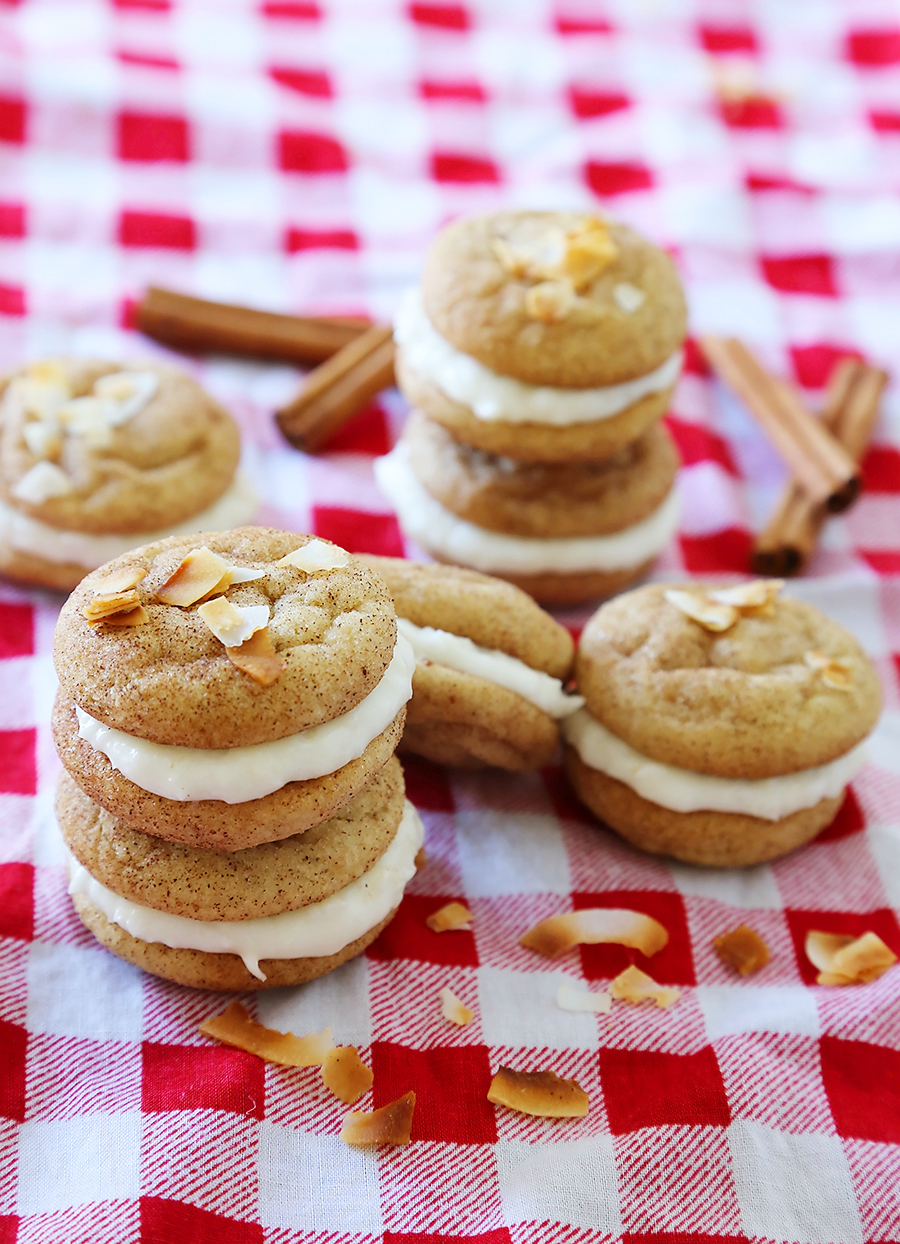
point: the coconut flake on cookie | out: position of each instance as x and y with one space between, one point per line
232 624
43 481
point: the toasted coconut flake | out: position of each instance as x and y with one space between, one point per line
200 573
235 1027
317 555
549 301
453 1009
134 617
589 251
633 985
711 615
569 999
541 1093
449 917
43 439
846 960
43 481
742 949
390 1125
232 624
119 580
512 261
750 599
256 657
345 1074
554 936
421 859
628 297
111 603
835 672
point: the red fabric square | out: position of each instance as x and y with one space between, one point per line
451 1087
16 630
694 360
306 81
157 229
874 47
142 58
884 563
728 38
12 220
698 444
148 138
173 1222
409 937
678 1237
801 274
13 1042
357 531
881 469
12 300
17 901
300 152
646 1088
885 122
763 181
587 103
863 1086
883 922
726 550
157 6
366 433
443 16
572 25
18 773
182 1077
606 178
499 1236
320 239
673 965
300 10
814 364
452 166
427 785
9 1223
464 92
849 820
753 112
12 119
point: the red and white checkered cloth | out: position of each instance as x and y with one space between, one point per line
299 156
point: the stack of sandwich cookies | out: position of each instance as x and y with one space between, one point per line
550 339
721 726
229 710
97 458
491 667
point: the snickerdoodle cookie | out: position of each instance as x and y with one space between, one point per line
97 457
491 667
722 726
543 336
563 532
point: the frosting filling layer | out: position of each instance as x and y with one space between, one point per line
444 534
237 774
682 790
309 933
236 506
458 652
491 396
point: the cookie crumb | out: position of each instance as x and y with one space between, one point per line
742 949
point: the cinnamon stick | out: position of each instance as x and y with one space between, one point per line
196 324
818 462
850 413
337 390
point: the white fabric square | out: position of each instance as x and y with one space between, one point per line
519 1009
736 887
94 1157
729 1009
884 844
511 853
316 1183
746 309
795 1188
860 225
76 991
570 1182
340 999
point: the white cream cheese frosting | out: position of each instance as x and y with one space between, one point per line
682 790
458 652
444 534
309 933
494 397
236 506
238 774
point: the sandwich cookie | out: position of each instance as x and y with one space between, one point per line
542 336
228 690
722 726
278 914
96 458
563 532
491 667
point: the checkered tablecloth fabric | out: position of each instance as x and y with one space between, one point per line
299 156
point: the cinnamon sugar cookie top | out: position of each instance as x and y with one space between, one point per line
623 316
112 448
754 700
491 613
171 680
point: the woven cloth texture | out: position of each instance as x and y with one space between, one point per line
299 156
